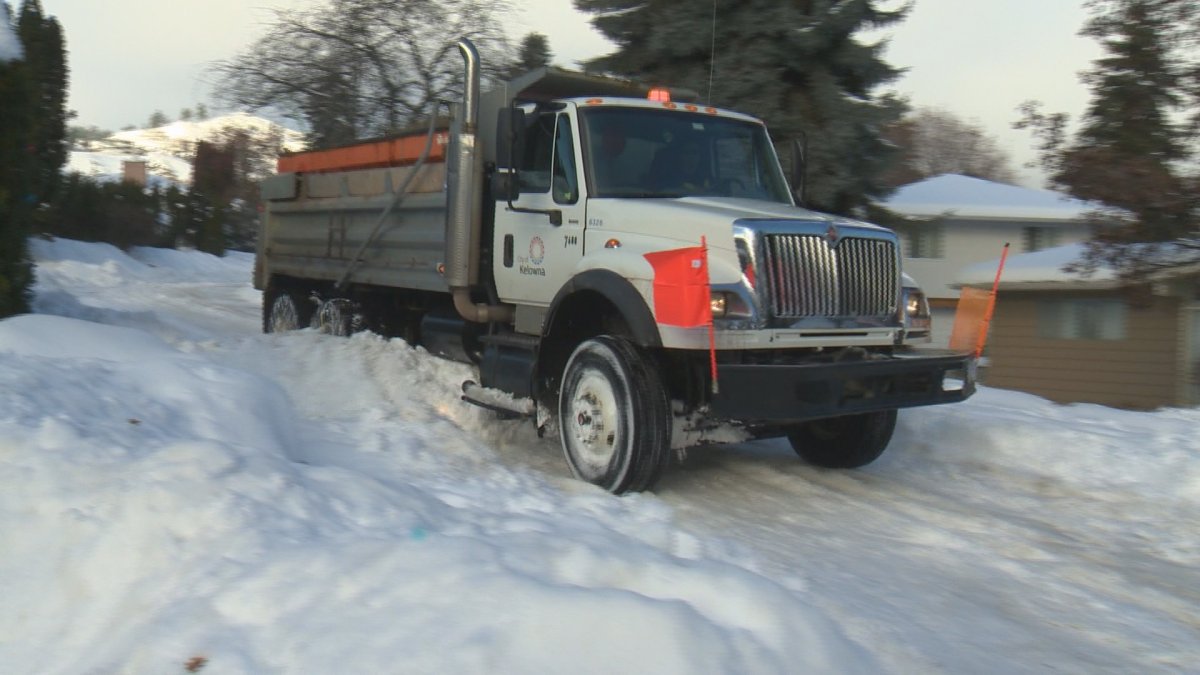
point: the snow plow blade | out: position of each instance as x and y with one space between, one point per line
787 393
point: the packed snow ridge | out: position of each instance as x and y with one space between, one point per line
181 491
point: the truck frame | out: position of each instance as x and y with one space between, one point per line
524 246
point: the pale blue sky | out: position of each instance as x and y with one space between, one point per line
976 58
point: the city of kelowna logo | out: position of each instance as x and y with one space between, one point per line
537 253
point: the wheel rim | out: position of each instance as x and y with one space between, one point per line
591 423
284 316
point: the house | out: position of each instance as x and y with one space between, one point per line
1071 338
949 222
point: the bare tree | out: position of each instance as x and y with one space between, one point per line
361 68
935 141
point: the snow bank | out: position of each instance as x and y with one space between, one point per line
179 487
163 505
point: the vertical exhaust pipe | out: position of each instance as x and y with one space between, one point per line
464 178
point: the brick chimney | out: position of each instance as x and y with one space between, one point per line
134 171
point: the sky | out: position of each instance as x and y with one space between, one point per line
10 46
976 58
182 489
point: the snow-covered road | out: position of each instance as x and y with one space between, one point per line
183 486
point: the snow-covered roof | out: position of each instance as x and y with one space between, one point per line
973 198
1043 270
168 149
1039 268
174 135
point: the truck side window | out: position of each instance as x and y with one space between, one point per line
566 184
534 169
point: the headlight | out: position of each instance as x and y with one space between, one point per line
916 310
719 304
912 306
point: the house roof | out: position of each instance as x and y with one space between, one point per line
973 198
1039 269
1043 270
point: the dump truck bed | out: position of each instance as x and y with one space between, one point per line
324 205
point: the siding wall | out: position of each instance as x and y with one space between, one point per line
971 241
1140 372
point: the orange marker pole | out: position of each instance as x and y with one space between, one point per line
991 307
712 334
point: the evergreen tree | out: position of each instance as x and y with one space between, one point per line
45 56
533 53
18 97
208 203
120 213
157 119
798 65
1134 150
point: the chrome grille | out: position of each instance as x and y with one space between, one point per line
808 278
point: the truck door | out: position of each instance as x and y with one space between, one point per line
533 257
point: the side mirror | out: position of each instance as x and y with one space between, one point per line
799 173
510 136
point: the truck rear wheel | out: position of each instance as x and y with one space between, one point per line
614 416
285 309
845 442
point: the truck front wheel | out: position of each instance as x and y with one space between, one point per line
614 416
845 442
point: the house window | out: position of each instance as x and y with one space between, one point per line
1082 319
1038 238
925 241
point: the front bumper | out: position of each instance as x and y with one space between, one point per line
790 393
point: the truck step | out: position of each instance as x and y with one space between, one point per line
497 401
519 340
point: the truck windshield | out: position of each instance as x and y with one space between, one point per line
640 152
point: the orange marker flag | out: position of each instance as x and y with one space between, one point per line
973 316
682 294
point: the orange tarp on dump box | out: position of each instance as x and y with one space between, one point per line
372 155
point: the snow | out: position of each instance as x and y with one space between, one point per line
180 135
1045 266
168 150
108 165
180 488
967 197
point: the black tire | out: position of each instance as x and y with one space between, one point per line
846 442
336 317
614 418
285 309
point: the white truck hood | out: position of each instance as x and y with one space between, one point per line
687 218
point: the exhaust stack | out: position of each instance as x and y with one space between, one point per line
464 177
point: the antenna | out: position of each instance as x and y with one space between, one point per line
712 53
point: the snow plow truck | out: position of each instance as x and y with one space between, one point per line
627 267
